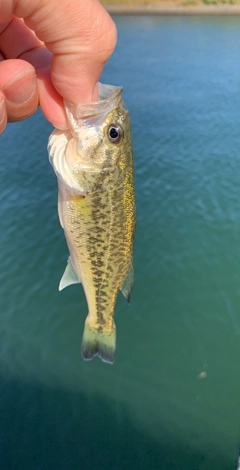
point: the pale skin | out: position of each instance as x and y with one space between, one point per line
51 50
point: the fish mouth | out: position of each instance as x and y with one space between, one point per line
109 97
107 93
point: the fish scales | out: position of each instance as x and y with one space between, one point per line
97 213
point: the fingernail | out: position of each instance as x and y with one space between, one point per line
61 128
3 116
20 88
2 110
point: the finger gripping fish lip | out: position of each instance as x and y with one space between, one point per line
109 96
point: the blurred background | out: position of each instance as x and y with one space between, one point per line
172 399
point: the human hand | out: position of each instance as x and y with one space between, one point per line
50 50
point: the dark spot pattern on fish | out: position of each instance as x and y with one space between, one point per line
102 233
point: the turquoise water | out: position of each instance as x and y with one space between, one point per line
172 399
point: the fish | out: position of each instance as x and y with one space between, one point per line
93 162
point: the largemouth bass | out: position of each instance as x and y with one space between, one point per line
93 161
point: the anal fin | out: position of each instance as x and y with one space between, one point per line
69 276
127 284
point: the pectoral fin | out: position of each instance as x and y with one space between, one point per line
127 284
69 276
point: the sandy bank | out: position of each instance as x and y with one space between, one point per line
166 9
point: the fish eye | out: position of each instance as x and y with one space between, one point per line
115 133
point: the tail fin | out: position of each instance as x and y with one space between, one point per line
100 342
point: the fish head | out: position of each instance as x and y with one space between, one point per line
99 143
101 133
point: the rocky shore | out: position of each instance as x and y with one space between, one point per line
173 9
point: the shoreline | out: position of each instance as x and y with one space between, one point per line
166 9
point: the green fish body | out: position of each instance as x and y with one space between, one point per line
93 161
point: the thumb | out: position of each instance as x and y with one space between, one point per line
79 33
